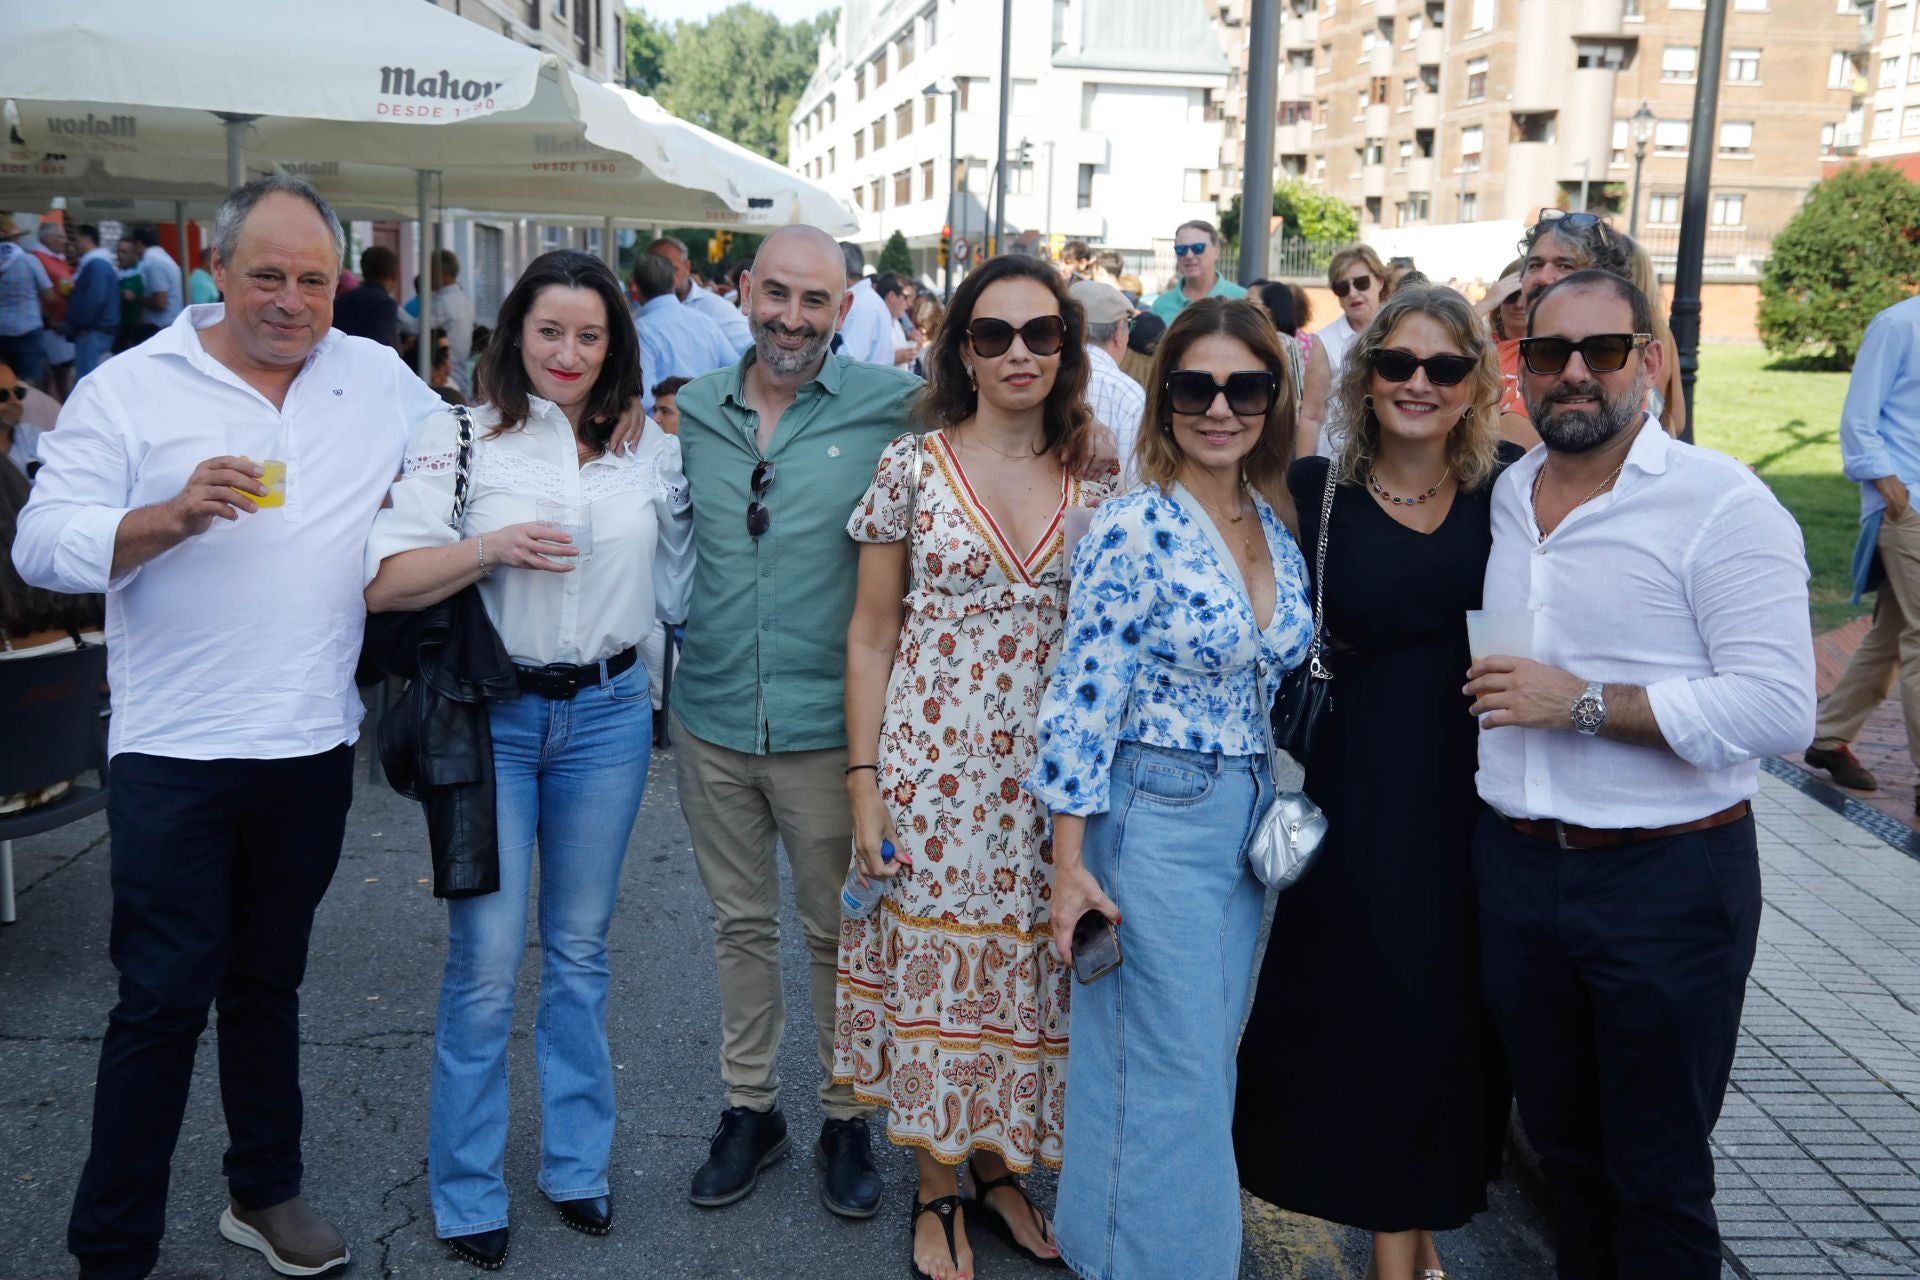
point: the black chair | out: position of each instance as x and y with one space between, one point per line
50 707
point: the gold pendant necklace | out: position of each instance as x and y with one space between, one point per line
1541 475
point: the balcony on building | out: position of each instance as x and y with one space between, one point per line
1590 17
1299 25
1378 120
1426 109
1430 46
1420 173
1373 180
1296 83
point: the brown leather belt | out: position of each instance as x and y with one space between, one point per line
1568 836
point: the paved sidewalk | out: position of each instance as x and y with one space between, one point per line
1819 1146
1882 742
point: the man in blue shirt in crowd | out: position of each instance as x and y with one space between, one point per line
93 308
675 341
1880 448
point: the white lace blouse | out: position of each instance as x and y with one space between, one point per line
642 562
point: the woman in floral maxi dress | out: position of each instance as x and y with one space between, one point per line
953 1007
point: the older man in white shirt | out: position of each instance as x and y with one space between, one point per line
725 315
1619 882
869 331
1115 398
234 617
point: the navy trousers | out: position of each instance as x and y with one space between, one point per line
217 868
1616 978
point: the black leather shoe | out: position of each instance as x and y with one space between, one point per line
592 1216
744 1143
486 1250
851 1187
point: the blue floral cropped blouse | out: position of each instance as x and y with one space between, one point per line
1161 647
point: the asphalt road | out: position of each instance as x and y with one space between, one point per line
368 1016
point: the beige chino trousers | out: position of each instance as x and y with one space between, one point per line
735 804
1890 648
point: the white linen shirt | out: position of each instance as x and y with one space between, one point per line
1117 400
641 568
727 316
869 332
1688 578
239 643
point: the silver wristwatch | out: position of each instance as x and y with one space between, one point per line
1589 710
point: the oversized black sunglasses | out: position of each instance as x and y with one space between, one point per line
1341 288
759 519
1042 334
1442 370
1250 392
14 393
1601 352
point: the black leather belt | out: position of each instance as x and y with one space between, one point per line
561 680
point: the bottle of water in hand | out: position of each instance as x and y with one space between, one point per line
860 894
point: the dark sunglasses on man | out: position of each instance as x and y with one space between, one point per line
1600 352
991 338
1442 370
1250 392
759 518
1341 288
13 393
1182 250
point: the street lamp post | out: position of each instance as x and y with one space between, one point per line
1690 258
1642 123
953 166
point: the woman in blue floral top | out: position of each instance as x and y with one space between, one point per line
1152 756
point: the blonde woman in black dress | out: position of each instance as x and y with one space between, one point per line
1389 1114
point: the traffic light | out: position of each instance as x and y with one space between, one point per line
718 245
1025 154
946 243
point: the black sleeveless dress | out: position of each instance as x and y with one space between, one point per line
1372 1090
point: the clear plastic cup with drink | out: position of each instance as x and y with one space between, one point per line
1506 632
573 519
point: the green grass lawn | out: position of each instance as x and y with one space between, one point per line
1786 425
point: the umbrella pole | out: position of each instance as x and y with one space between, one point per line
424 350
186 266
236 156
608 249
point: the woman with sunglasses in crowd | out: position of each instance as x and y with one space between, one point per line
1189 604
952 1006
571 595
1389 1117
1357 277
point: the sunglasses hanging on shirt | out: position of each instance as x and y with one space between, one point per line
759 518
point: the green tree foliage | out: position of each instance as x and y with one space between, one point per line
647 43
1306 215
1848 254
894 256
738 73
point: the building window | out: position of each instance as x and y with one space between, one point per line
926 180
1482 19
832 160
1601 55
1193 186
1913 68
1663 208
1406 152
1423 143
1889 72
1321 112
1296 112
965 85
860 84
1620 139
1910 121
1671 136
1743 65
859 143
879 131
1729 211
1472 143
902 188
1533 126
1373 152
1736 137
1632 13
1368 39
1679 61
1469 207
1476 79
1882 125
1359 104
1841 71
903 119
932 21
1416 24
1827 132
860 198
1320 167
903 48
1083 193
1385 26
1372 214
1379 91
1409 88
874 193
879 70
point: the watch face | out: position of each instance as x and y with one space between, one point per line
1589 713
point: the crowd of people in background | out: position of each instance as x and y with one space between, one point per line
981 606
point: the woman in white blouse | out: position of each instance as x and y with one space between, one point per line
570 753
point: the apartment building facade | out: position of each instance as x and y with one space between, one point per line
1114 127
587 33
1422 112
1883 126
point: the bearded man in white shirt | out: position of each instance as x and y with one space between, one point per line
1619 883
234 618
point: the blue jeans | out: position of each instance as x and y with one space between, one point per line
1148 1183
571 774
90 347
26 354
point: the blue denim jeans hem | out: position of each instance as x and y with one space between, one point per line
570 776
1148 1184
451 1233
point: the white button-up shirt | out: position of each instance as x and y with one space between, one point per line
240 642
641 568
1688 578
869 332
1118 401
731 320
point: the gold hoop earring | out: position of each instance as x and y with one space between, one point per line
1466 414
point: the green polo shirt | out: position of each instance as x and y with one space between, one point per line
1174 301
766 655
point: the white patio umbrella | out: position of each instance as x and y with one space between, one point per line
347 93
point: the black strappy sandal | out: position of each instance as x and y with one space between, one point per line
946 1207
994 1222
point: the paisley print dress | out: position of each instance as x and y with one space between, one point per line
952 1005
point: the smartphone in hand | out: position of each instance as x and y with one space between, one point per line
1096 947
